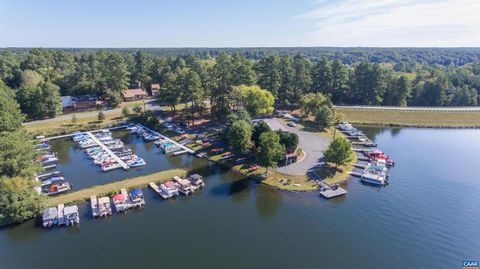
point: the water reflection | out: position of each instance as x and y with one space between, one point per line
267 201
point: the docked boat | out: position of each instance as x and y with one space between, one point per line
139 162
197 181
121 203
184 186
94 206
169 188
52 180
373 179
57 187
111 166
50 217
70 213
104 207
136 198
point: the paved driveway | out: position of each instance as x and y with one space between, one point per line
312 145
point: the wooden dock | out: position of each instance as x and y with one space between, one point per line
106 149
329 192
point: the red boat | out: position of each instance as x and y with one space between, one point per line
217 150
253 168
378 155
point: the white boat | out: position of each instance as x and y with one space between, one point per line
104 207
94 205
110 167
374 179
197 181
184 186
71 215
169 188
50 217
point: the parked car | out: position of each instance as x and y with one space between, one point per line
291 124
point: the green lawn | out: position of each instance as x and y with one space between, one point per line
114 187
411 118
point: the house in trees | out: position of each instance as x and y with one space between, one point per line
78 103
134 94
155 89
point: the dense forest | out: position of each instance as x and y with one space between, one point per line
368 76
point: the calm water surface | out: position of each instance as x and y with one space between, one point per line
426 218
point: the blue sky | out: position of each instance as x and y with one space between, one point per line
247 23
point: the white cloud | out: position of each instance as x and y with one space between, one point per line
395 23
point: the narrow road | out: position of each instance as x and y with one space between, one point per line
148 104
415 108
313 146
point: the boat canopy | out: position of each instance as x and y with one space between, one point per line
136 192
170 184
118 197
50 213
196 177
69 210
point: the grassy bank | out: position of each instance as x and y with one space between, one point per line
107 189
438 119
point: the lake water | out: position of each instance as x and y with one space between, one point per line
427 217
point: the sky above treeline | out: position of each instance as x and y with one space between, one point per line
242 23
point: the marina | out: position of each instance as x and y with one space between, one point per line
232 209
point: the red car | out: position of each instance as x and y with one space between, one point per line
378 155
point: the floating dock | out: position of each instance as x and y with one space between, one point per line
106 149
329 192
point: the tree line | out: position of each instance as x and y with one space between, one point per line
18 199
39 77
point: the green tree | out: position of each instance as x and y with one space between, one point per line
339 151
74 118
268 73
137 109
285 95
125 112
288 140
17 153
140 73
100 116
339 82
311 103
368 84
397 92
18 200
240 114
221 82
260 128
325 117
37 98
464 96
322 77
10 116
239 136
303 79
192 90
270 150
172 92
113 98
257 101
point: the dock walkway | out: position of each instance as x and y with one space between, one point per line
106 149
327 191
184 148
